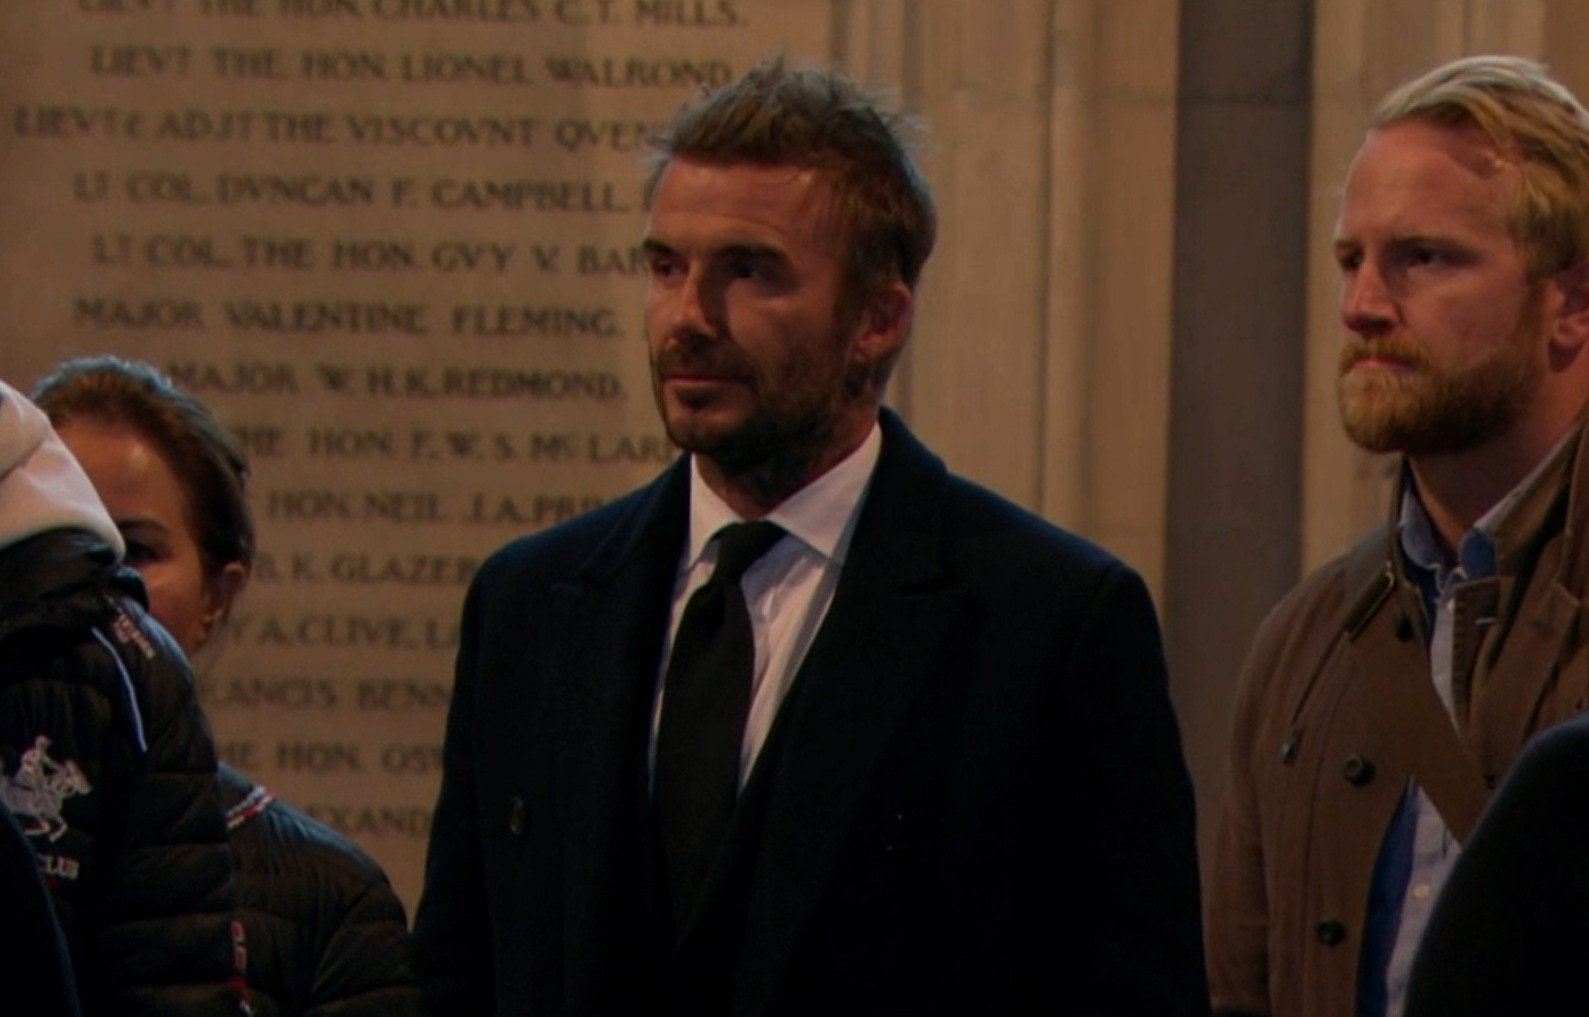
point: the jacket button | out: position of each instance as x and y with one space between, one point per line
1404 630
1330 931
1357 771
518 817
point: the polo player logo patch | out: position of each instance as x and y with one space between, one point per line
41 785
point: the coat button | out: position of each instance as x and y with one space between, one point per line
1404 629
518 817
1357 771
1330 931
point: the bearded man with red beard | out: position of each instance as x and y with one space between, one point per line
1388 693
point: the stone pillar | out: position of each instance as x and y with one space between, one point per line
1241 237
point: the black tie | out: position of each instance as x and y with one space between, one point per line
705 699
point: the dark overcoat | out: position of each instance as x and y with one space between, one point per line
973 799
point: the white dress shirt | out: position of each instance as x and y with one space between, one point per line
787 590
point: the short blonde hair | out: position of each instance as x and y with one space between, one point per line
1531 119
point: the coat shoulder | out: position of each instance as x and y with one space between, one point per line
1316 607
560 552
1290 651
991 537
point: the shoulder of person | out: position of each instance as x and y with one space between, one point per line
1319 603
987 524
561 549
295 839
54 580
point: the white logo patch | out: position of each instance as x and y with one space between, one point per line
40 787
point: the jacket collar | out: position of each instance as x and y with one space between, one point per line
1534 515
50 566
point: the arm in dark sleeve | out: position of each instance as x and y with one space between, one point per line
452 940
37 969
164 935
1136 857
366 967
1512 924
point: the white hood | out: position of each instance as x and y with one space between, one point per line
41 486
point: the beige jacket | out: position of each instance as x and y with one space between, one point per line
1336 711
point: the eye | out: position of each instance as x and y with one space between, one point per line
140 553
1437 255
663 264
745 266
766 267
1422 254
1348 259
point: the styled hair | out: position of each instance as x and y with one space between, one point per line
207 460
1530 119
812 117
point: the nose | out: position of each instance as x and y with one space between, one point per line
690 309
1366 305
687 306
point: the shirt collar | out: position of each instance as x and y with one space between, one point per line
821 514
1476 551
1475 554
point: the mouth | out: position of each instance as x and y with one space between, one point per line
700 378
1380 363
1392 361
691 369
699 387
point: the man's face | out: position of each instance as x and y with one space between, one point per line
1447 345
753 359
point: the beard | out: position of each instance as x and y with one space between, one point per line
1425 408
788 424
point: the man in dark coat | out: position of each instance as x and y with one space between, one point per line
954 781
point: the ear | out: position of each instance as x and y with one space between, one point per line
1569 328
220 593
884 323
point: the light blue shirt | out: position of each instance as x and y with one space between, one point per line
1433 850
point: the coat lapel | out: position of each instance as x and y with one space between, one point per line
891 615
1543 564
613 619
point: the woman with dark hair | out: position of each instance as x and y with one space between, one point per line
148 445
324 932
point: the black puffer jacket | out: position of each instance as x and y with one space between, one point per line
326 936
33 962
109 768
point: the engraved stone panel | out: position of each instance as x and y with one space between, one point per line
393 244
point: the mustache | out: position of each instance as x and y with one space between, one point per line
1395 351
715 359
